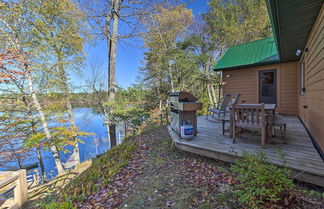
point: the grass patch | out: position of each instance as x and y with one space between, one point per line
67 204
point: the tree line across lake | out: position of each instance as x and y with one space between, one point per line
42 45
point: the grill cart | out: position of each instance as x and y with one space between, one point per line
184 108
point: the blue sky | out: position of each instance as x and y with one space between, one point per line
129 54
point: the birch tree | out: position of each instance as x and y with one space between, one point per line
205 49
60 25
28 120
16 60
16 34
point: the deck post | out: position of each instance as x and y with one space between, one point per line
20 191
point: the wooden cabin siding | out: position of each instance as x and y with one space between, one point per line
288 91
242 81
311 104
245 81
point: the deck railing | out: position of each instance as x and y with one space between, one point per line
13 181
33 178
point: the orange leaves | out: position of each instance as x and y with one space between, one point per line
15 72
13 65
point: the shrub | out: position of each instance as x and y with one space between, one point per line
63 205
259 182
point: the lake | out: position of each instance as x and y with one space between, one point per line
89 121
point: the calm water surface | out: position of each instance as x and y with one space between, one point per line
89 121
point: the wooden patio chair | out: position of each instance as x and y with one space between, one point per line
227 119
249 116
219 110
279 122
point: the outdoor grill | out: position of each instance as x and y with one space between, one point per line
184 108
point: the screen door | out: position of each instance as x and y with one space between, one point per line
267 87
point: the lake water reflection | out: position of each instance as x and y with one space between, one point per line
87 120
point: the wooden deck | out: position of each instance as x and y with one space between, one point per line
299 153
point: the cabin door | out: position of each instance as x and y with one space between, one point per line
267 87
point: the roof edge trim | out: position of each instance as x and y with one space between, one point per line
247 66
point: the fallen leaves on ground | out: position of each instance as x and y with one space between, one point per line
160 176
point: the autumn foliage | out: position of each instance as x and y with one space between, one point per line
13 130
13 65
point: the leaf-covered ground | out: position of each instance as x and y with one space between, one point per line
172 178
159 176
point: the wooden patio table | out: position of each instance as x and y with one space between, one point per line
270 111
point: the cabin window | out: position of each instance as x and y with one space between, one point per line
302 78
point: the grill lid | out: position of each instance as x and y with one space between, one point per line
184 96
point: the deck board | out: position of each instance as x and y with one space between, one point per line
299 153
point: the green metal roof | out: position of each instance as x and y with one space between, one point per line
253 53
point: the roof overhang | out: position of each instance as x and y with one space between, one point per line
292 21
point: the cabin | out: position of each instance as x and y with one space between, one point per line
287 70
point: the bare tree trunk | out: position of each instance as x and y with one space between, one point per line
112 136
113 52
107 126
66 92
76 149
209 85
34 131
167 115
125 128
107 34
58 163
209 94
213 93
13 152
171 78
112 68
112 133
160 105
41 163
108 37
